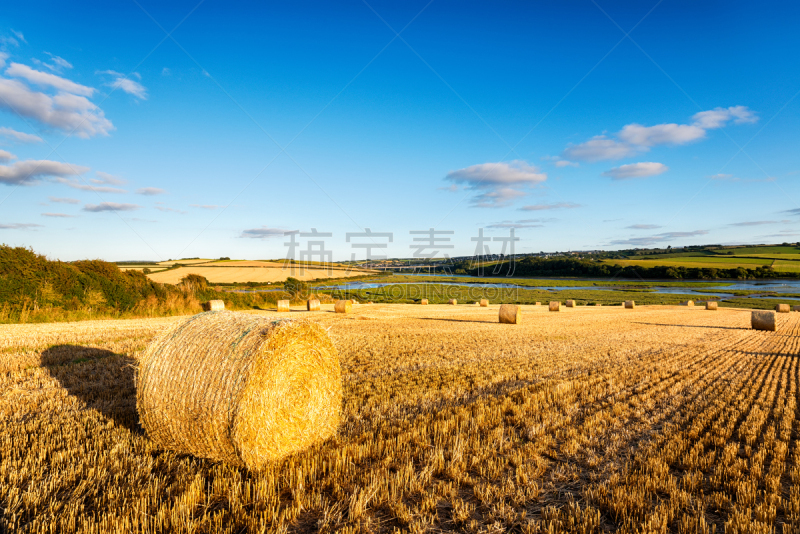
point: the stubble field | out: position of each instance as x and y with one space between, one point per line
659 419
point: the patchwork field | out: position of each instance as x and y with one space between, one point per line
657 419
706 262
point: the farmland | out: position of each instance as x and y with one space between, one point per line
674 419
227 272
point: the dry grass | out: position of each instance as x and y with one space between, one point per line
589 420
230 272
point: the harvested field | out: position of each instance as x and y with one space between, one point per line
666 419
259 274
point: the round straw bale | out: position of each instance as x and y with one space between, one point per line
453 301
763 320
312 305
570 304
629 304
689 303
782 308
555 306
538 303
213 305
424 302
239 388
353 301
712 305
484 303
510 314
795 308
343 306
283 305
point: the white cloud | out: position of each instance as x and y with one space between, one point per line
124 83
62 200
636 170
206 206
643 226
150 191
26 172
6 156
557 206
263 233
660 134
754 223
80 186
19 136
565 163
19 36
18 70
599 148
19 226
67 112
110 206
495 180
718 117
635 137
3 58
526 223
58 63
105 178
58 215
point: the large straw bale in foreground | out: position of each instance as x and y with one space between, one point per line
712 305
240 388
510 314
283 305
782 308
213 305
763 320
555 306
343 306
629 304
312 305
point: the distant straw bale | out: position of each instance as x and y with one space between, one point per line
538 303
510 314
570 304
782 308
795 308
629 304
239 388
712 305
763 320
312 305
689 303
555 306
213 305
424 302
452 302
343 306
283 305
484 303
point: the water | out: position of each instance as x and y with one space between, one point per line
771 286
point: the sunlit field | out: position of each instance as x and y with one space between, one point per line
592 419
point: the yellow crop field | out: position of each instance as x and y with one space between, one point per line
698 262
658 419
260 273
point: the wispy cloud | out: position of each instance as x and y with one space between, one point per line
636 170
150 191
27 172
110 206
37 77
206 206
496 184
19 137
6 156
658 238
58 215
19 226
719 117
104 178
169 210
75 184
599 148
263 233
643 226
556 206
124 83
62 200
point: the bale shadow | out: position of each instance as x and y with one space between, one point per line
102 379
454 320
692 326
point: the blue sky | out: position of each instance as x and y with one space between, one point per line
135 130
